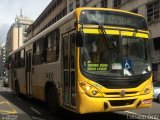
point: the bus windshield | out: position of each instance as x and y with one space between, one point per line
112 18
129 55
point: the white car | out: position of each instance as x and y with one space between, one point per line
156 94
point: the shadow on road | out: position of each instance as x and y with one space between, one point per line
32 109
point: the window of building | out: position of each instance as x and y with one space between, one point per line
71 7
64 11
58 17
58 2
85 2
154 67
104 3
116 3
153 11
53 8
77 3
54 19
156 42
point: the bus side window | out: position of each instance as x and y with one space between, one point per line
72 49
22 61
17 59
37 52
50 54
34 51
45 50
57 43
52 47
65 52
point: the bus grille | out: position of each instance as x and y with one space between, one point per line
117 94
121 102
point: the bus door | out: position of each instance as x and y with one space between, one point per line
11 71
28 73
69 51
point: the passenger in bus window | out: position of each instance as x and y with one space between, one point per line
104 52
95 53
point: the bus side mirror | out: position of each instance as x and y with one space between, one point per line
79 38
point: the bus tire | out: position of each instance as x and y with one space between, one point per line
17 89
52 101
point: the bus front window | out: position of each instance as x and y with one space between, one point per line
128 56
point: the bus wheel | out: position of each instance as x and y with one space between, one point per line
52 101
17 89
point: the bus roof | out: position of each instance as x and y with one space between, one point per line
108 9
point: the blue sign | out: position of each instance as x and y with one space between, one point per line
127 63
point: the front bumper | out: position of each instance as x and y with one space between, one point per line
88 104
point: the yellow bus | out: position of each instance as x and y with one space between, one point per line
91 60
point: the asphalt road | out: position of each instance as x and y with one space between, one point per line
14 108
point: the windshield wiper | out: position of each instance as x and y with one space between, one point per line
109 44
105 36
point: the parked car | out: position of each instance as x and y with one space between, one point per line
156 86
5 81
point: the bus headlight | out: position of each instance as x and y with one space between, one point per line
147 89
90 90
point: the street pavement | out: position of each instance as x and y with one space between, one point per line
14 108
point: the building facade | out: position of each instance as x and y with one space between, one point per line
150 9
1 65
3 60
16 35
